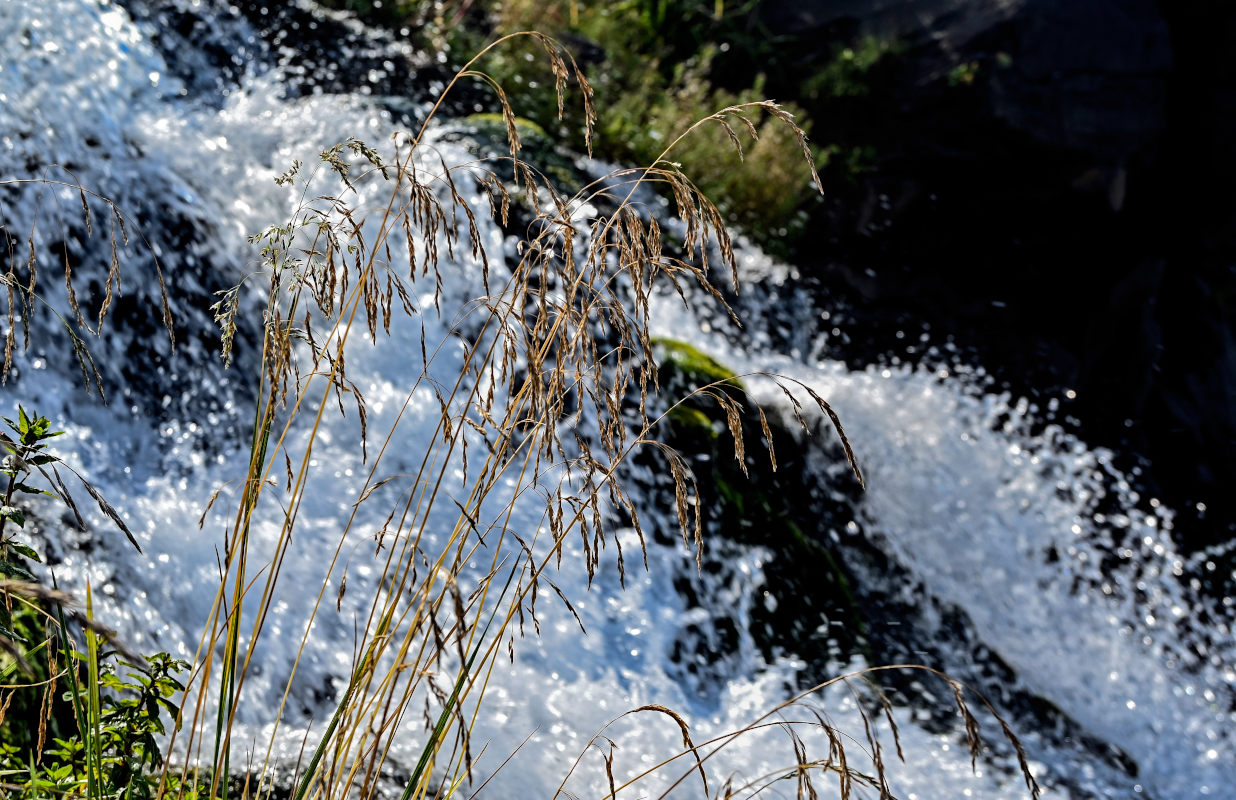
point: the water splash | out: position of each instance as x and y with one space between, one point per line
1050 556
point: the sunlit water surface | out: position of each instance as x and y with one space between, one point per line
1057 564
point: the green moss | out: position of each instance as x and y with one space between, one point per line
686 367
537 147
694 422
493 126
691 422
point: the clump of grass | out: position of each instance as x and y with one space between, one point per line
558 388
556 392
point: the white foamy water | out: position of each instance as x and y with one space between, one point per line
1089 607
961 494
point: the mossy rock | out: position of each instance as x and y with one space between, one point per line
691 429
695 420
537 148
493 127
684 368
760 506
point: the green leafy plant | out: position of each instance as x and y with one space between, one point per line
131 711
27 454
119 755
100 737
24 454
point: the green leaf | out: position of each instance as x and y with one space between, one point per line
26 551
14 571
14 635
13 514
107 509
28 489
113 682
41 460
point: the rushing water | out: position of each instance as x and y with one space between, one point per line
1018 557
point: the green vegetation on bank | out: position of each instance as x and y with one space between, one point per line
658 67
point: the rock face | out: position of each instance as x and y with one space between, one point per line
1087 76
1090 77
1050 189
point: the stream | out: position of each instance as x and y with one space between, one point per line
990 542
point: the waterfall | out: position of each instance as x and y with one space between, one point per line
1019 557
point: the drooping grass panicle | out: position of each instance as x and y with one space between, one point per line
23 291
805 714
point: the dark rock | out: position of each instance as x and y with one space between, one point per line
1050 190
1090 78
807 604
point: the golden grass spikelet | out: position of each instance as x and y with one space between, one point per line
685 730
733 419
5 701
45 707
10 337
1027 775
876 751
768 438
32 266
